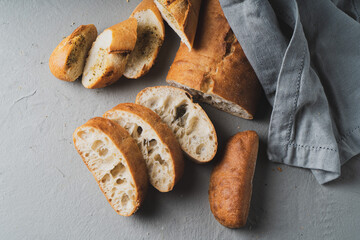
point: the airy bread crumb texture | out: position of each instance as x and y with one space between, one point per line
149 40
156 154
189 122
214 100
109 167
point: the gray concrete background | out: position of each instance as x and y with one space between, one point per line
46 192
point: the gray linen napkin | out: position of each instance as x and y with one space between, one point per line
306 54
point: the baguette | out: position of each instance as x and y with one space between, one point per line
217 71
189 122
231 180
182 16
150 37
157 143
109 53
115 160
68 59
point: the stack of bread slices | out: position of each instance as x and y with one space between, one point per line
136 143
128 48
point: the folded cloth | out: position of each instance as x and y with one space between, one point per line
306 55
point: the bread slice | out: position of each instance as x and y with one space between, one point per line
151 33
109 53
160 149
68 59
182 16
217 71
192 127
116 162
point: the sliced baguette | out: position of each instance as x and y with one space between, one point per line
189 122
160 149
150 37
116 162
109 53
182 16
217 71
67 61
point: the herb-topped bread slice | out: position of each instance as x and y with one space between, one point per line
67 61
151 33
109 53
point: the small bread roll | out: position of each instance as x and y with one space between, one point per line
116 162
231 180
182 16
150 37
160 149
109 53
189 122
68 59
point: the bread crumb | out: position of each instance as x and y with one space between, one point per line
279 169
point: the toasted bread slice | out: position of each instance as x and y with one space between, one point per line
182 16
67 61
160 149
109 53
151 33
191 125
116 162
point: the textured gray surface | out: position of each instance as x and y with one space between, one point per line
46 192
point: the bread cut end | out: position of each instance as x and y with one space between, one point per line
109 168
189 122
68 59
157 155
215 100
173 23
150 37
103 68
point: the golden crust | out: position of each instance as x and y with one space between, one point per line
60 59
217 64
111 75
138 96
162 130
129 149
186 14
124 36
231 180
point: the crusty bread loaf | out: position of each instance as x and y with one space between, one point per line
109 53
160 149
116 162
182 16
150 37
217 71
68 59
231 180
192 127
